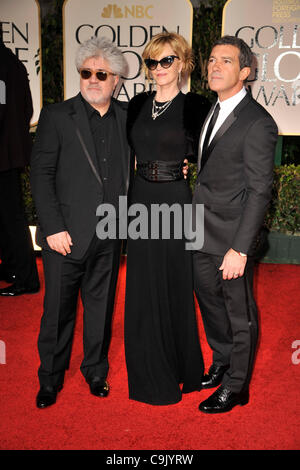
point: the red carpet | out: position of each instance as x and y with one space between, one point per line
81 421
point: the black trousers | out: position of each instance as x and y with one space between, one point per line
17 252
229 316
95 276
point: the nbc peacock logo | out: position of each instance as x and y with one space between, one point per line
133 11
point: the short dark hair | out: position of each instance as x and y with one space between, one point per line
245 53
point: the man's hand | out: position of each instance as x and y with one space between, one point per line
185 169
233 265
60 242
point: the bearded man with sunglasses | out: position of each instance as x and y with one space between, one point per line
80 160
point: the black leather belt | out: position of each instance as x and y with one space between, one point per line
160 171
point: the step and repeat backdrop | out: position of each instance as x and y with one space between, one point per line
21 32
270 27
130 25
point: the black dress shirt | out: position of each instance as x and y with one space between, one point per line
108 151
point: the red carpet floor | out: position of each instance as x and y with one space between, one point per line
81 421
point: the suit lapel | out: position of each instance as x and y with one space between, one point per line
79 116
201 134
221 131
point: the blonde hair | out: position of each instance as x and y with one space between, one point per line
179 45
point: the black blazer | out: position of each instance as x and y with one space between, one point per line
15 113
235 183
65 180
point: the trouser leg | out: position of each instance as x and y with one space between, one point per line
230 317
8 262
14 224
208 289
242 312
62 281
98 294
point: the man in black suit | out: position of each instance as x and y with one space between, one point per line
18 266
236 155
80 160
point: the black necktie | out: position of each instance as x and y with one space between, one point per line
210 127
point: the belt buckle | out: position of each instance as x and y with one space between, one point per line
154 174
153 166
153 171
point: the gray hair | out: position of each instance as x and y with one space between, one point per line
104 48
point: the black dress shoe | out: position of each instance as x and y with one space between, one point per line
99 388
9 278
14 290
47 396
223 400
214 376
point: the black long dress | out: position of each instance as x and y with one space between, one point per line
161 337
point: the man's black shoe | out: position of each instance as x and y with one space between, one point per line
9 278
47 396
214 376
99 388
14 290
223 400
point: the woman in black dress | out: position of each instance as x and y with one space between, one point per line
161 336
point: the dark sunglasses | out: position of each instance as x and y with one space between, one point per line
100 74
165 62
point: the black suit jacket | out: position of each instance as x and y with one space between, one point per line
235 183
15 112
65 179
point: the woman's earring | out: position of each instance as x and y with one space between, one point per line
179 77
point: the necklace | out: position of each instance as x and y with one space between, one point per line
159 110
